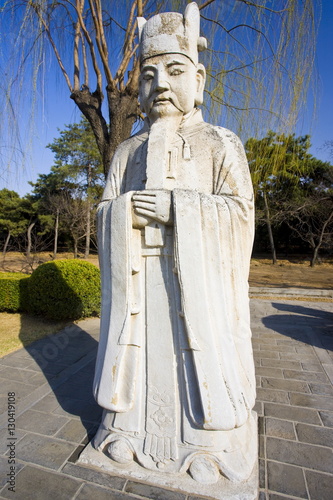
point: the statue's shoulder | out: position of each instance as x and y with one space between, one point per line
131 144
221 133
223 141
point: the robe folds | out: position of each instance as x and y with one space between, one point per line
207 250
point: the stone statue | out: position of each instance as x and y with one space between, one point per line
175 370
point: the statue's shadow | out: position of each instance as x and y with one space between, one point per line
310 325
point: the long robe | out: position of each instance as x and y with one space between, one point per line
199 327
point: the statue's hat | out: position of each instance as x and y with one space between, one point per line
172 33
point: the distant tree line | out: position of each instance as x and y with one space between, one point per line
293 198
59 212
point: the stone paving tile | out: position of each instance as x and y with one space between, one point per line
315 435
286 479
264 353
284 385
94 476
153 492
270 341
73 431
320 485
272 396
304 358
33 483
10 361
304 455
278 363
312 367
47 404
311 401
285 412
42 423
277 348
5 470
38 379
21 390
4 439
89 491
306 376
263 371
323 389
286 341
20 375
279 428
45 451
327 418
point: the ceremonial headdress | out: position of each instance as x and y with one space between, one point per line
172 33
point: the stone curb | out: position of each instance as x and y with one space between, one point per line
291 292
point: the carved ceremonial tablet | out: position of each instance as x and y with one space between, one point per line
175 372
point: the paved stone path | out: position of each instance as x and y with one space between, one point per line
55 413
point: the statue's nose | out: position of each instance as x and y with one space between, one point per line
161 83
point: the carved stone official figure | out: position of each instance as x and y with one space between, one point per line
175 370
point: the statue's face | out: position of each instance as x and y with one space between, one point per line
169 85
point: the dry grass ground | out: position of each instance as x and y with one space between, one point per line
17 330
291 273
20 330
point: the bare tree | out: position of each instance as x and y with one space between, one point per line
74 211
312 221
259 63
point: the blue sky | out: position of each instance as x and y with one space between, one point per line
61 110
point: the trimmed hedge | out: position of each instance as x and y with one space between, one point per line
65 289
13 291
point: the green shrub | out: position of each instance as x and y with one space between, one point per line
65 289
13 291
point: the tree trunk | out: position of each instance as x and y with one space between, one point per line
88 225
123 112
28 250
56 233
269 229
6 244
75 247
320 241
314 257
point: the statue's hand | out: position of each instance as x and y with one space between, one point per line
155 204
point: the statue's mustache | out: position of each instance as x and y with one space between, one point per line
165 96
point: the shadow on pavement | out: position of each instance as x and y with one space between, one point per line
56 356
67 359
305 324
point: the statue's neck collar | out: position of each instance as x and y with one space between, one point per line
192 118
189 120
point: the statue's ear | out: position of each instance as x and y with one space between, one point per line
141 22
201 80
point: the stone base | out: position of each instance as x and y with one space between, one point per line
222 490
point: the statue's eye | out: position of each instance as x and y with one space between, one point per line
176 71
147 75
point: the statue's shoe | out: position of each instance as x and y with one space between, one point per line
204 470
120 451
